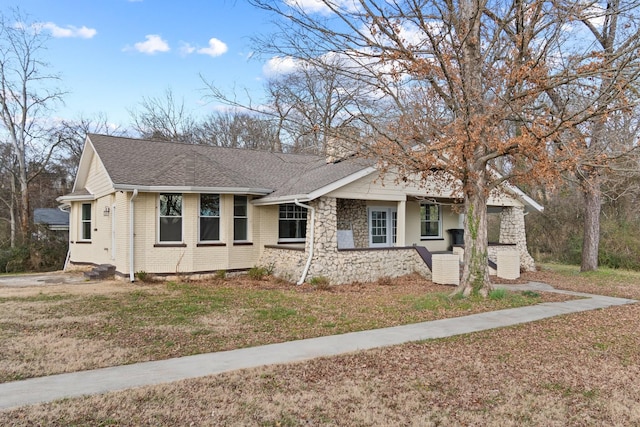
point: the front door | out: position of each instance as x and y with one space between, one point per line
382 227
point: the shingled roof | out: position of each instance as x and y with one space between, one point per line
147 163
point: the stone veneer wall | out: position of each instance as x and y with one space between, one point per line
344 266
287 263
512 230
353 213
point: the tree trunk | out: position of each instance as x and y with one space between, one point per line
12 213
475 272
591 237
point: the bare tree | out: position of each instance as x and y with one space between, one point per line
307 105
612 31
467 83
73 133
163 119
312 102
26 96
237 130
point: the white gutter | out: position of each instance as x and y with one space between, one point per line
132 273
311 240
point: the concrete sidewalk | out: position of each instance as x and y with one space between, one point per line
46 389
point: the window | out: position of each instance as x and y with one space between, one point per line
240 218
209 217
383 224
86 221
170 217
293 223
430 221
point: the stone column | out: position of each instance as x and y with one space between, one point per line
512 230
325 246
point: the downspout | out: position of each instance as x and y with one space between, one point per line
132 272
311 240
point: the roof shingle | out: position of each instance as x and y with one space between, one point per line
138 162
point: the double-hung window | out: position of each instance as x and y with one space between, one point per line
293 223
170 218
209 217
86 222
240 218
430 221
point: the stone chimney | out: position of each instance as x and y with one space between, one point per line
341 144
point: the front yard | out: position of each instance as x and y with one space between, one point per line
577 370
56 329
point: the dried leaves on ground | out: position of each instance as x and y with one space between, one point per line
67 328
577 370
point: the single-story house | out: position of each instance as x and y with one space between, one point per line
52 218
51 223
171 208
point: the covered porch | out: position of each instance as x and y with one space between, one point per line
350 240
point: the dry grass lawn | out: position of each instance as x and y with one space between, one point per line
579 370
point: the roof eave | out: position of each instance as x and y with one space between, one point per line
193 189
290 198
76 198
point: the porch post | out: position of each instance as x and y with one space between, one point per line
401 223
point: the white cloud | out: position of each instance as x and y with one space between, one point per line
66 32
186 49
152 45
216 48
279 65
320 7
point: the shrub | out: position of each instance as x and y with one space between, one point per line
221 274
257 273
143 276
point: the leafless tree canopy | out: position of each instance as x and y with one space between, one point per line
27 94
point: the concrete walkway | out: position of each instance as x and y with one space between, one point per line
46 389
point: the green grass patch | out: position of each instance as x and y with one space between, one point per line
275 313
498 294
433 302
603 275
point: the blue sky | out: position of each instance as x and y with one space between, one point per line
112 53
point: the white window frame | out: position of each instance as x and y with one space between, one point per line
200 216
439 221
297 210
390 232
181 216
246 217
84 221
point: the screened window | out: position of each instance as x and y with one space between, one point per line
293 223
170 217
86 221
430 221
209 217
240 218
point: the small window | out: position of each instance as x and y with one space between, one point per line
209 217
293 223
86 221
430 221
170 217
240 218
